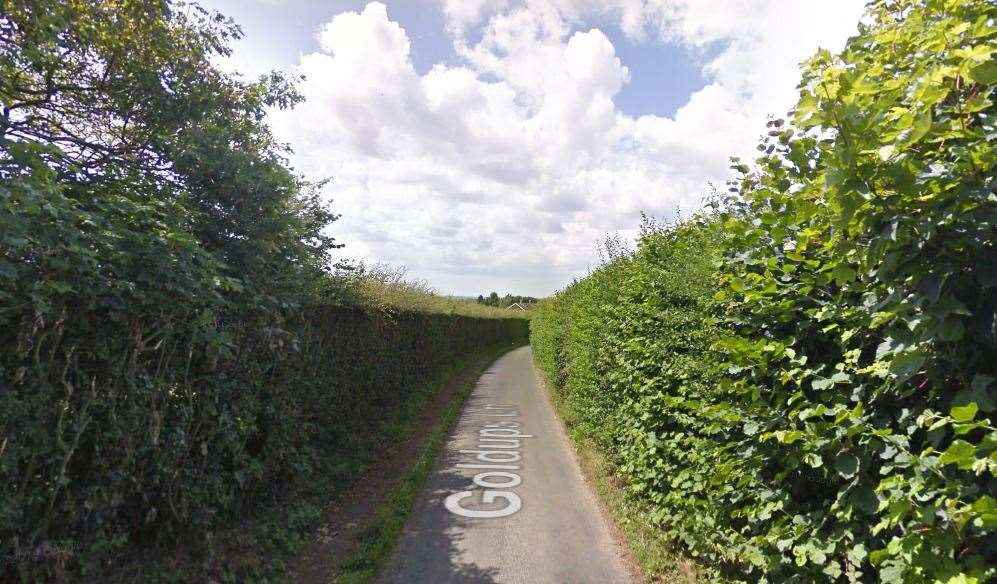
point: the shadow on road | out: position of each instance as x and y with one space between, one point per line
435 549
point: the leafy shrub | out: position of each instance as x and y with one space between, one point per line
175 351
849 440
869 304
631 349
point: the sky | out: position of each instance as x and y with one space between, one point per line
495 144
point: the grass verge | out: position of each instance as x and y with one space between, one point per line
264 545
381 535
657 558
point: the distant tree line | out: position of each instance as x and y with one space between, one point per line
494 299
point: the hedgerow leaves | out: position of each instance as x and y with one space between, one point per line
175 352
848 435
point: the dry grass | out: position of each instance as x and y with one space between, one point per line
388 289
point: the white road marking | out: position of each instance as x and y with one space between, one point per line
498 444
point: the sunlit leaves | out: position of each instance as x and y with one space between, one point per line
861 294
902 180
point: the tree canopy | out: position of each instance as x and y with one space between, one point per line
152 235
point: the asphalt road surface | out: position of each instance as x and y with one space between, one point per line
506 501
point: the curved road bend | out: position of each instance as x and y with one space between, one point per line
506 501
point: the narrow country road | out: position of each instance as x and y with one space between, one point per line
506 501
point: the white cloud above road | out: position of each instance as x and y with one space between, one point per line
504 169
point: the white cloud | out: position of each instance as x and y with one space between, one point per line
463 13
504 171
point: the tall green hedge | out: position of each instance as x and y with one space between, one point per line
172 350
825 413
131 439
631 351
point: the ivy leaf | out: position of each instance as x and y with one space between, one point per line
892 573
817 556
986 508
931 93
977 103
843 274
985 73
964 413
846 464
857 554
788 437
822 384
906 365
833 570
960 453
922 123
840 377
866 499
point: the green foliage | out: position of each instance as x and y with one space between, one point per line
175 351
629 349
851 436
866 307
